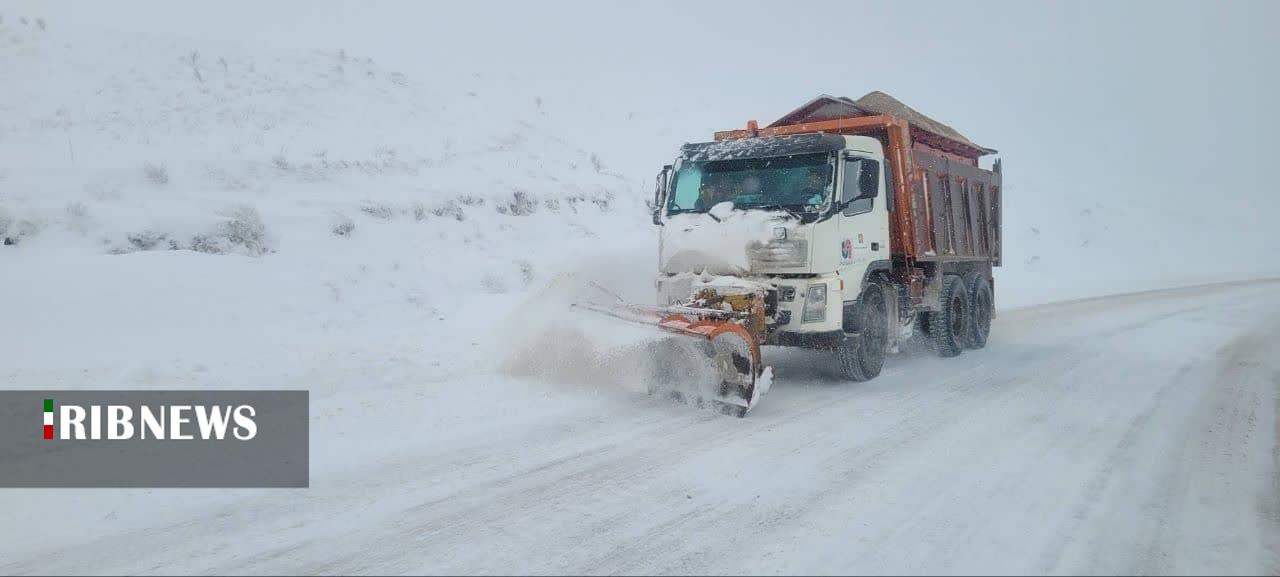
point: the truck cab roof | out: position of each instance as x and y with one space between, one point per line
764 147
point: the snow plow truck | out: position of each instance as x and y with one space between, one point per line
846 225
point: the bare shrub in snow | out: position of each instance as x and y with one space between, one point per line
493 284
22 229
194 60
553 204
386 156
6 221
526 272
281 163
40 23
519 205
156 173
419 211
311 173
242 232
206 244
76 210
334 291
471 200
596 163
77 217
244 228
378 211
603 201
419 300
582 230
105 189
341 225
147 240
227 180
450 209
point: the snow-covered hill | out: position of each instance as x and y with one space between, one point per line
95 129
182 204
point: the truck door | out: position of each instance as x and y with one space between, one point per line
864 218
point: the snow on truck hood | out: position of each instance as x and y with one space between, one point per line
696 242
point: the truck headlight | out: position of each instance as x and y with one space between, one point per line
815 304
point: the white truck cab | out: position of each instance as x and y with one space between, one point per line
811 246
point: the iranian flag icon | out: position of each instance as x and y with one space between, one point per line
48 418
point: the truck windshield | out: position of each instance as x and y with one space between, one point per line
801 181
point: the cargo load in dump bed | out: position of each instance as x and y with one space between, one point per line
846 225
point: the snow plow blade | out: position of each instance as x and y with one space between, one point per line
709 357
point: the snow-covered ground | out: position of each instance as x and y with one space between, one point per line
1132 434
188 213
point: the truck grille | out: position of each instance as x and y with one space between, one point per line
779 253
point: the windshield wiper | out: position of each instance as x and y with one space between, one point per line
792 212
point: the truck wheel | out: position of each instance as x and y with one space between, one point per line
980 320
862 355
950 325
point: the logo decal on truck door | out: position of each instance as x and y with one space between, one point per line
846 250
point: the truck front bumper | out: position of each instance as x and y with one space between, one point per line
811 305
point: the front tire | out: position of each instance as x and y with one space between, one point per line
862 355
949 327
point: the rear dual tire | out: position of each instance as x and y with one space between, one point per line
982 305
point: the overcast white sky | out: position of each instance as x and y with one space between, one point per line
1139 103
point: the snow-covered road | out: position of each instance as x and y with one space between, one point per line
1129 434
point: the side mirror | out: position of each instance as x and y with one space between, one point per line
660 192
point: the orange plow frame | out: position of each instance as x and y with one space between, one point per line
707 325
710 329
